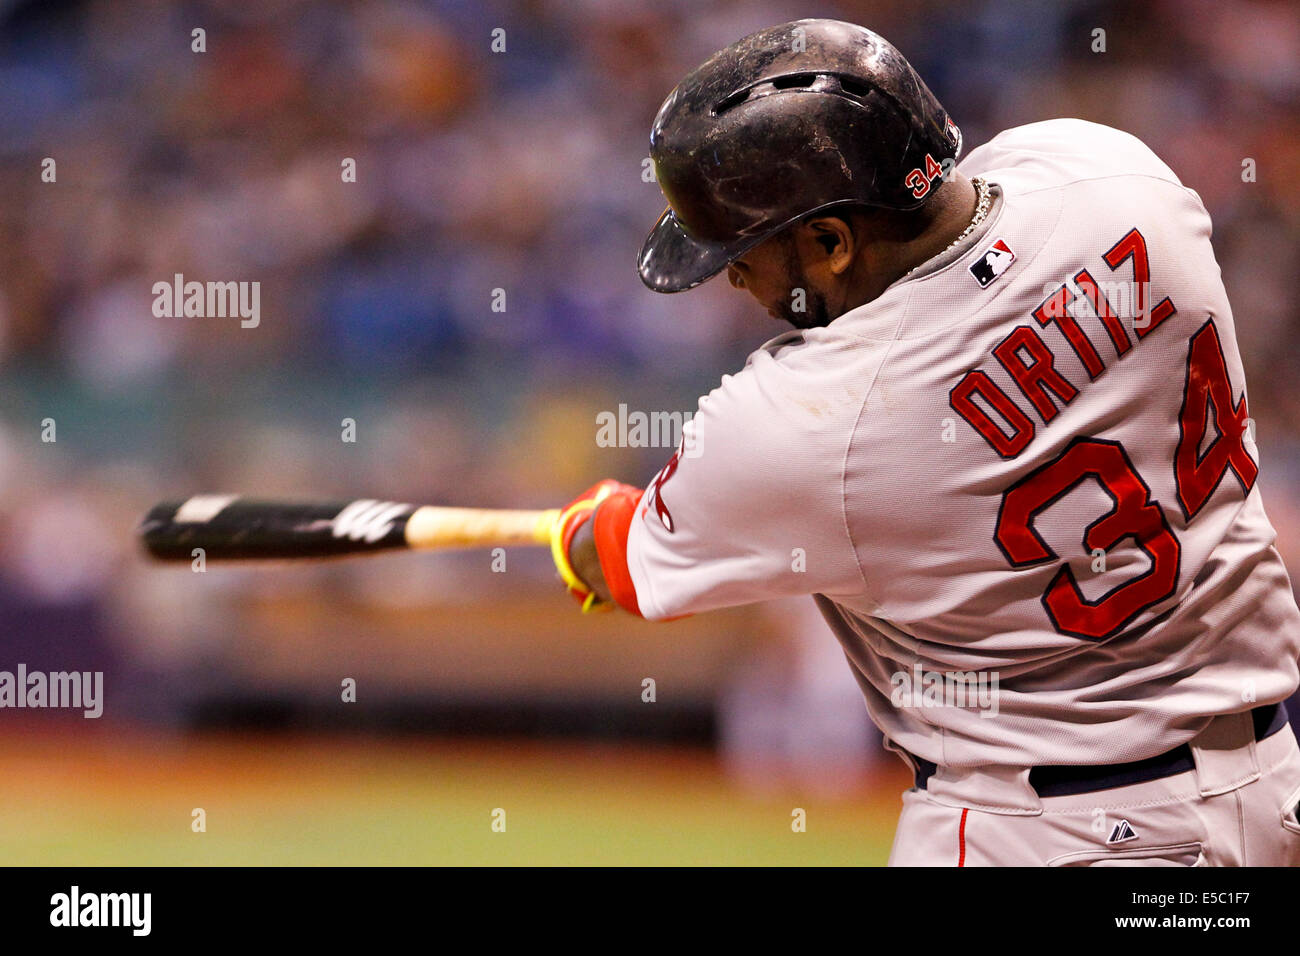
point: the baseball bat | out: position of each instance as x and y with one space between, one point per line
230 527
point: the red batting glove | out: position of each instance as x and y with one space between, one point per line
571 518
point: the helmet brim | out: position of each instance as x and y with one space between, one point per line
673 261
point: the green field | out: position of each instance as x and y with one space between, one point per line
312 801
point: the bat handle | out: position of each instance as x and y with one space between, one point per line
435 527
542 526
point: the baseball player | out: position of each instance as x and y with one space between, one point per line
1006 449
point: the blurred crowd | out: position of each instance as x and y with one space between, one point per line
471 300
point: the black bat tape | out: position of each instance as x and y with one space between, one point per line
229 527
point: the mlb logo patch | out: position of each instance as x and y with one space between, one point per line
993 263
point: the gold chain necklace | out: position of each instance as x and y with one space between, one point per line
981 213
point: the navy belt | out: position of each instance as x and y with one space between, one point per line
1064 781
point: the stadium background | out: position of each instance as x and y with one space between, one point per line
477 170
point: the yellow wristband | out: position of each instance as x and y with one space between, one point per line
559 554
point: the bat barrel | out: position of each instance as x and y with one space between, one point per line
227 527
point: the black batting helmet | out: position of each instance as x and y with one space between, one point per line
790 120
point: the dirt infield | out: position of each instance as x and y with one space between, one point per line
70 800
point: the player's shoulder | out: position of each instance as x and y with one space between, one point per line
1060 152
803 385
827 357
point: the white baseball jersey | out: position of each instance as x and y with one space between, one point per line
1022 483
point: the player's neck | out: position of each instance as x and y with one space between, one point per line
888 261
959 201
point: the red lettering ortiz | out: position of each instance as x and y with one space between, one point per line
1008 438
1092 332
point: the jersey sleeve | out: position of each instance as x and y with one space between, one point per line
751 505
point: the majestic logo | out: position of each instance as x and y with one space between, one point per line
993 263
367 520
1121 833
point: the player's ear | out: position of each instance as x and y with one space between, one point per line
835 241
